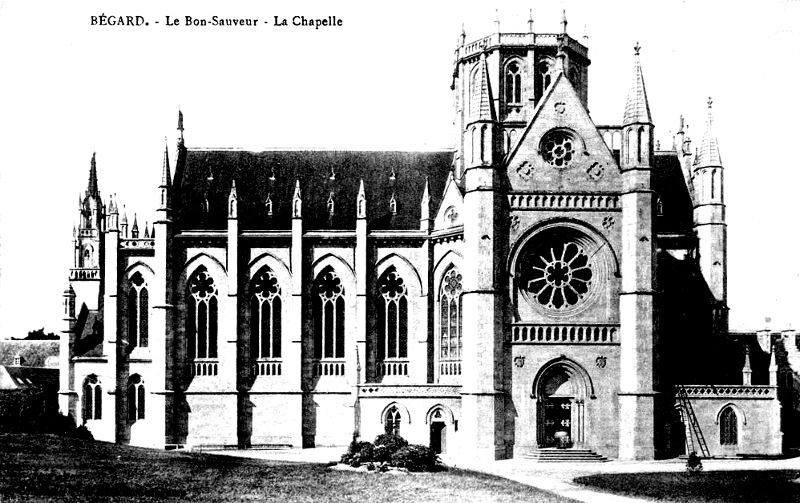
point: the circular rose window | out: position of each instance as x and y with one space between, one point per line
556 275
558 148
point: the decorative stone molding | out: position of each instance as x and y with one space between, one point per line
394 391
565 334
137 243
564 201
711 391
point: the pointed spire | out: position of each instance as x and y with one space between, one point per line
124 216
166 175
564 22
773 368
361 202
180 126
268 204
708 155
482 101
637 108
463 35
496 21
233 202
585 36
92 188
425 212
135 228
112 206
747 371
530 20
297 202
146 231
393 205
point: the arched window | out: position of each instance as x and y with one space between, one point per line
543 76
135 397
728 427
328 307
483 143
392 307
92 399
137 312
513 83
475 92
201 318
265 316
391 423
450 320
639 143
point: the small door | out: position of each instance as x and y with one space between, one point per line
557 421
438 437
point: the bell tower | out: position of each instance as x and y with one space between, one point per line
85 274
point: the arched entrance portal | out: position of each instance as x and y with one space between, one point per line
560 391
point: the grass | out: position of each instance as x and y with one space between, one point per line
715 486
51 468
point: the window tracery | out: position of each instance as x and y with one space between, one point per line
138 312
328 307
450 316
513 83
392 421
558 148
202 316
557 274
136 398
265 316
392 306
92 399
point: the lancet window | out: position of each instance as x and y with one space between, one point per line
138 312
392 307
265 316
201 318
329 319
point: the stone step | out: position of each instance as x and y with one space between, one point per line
564 456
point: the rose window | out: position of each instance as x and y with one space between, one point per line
557 276
558 148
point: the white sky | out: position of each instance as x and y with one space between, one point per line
380 81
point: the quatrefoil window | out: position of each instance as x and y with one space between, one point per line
559 148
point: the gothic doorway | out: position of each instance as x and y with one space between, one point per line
560 390
438 437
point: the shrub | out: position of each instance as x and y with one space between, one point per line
693 463
416 458
392 442
358 453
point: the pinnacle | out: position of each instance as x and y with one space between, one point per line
708 154
637 108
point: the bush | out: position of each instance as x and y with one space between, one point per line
358 453
416 458
693 463
392 442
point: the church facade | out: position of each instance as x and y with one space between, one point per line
548 282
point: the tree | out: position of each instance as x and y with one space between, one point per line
38 335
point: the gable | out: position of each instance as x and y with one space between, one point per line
561 149
450 210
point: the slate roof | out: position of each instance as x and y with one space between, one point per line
22 377
89 333
670 185
207 175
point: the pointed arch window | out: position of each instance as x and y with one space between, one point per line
135 398
513 83
450 316
92 399
392 304
728 427
265 316
328 308
138 312
391 424
543 76
201 319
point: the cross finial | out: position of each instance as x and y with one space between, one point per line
710 101
637 48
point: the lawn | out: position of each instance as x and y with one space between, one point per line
714 486
51 468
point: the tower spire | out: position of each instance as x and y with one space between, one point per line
708 155
91 190
564 22
530 20
483 108
180 126
637 108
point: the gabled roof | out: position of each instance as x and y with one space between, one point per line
207 175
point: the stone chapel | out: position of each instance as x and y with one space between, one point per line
549 282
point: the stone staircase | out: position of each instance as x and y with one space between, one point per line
554 455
